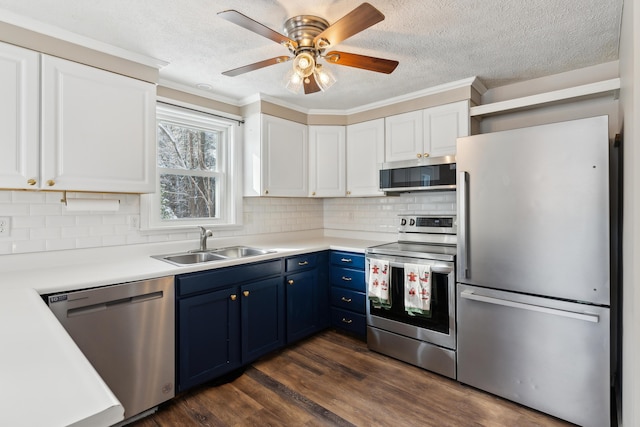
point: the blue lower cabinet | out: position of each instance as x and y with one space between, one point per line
208 337
307 288
348 293
263 327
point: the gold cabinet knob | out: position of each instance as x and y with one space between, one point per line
266 191
425 155
290 281
233 297
245 293
31 181
348 193
313 194
419 155
51 183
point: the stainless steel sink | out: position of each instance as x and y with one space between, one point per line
240 251
191 258
199 257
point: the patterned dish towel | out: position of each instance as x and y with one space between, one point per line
378 283
417 289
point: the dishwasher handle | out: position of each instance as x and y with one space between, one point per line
92 308
470 295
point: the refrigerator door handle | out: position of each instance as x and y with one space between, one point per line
463 224
471 295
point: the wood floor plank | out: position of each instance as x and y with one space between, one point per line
332 379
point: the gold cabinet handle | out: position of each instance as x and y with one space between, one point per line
346 260
233 297
346 279
345 299
245 293
419 155
290 281
303 263
425 155
31 181
51 183
347 321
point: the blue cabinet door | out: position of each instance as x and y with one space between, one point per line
208 336
302 304
263 328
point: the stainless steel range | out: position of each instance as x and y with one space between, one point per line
424 336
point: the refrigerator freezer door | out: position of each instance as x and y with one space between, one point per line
534 210
547 354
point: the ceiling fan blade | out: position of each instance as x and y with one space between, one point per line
370 63
256 66
360 18
312 86
251 25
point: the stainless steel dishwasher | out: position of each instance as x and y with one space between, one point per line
127 332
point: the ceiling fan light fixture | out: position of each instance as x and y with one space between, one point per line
324 77
293 81
304 64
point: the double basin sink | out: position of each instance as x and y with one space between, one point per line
198 257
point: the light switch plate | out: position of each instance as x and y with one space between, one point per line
5 226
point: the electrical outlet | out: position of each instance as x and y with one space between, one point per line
5 226
133 221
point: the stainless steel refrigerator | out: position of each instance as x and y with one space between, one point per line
533 267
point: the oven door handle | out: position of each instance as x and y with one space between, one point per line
463 225
434 268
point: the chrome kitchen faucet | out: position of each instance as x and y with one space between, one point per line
204 233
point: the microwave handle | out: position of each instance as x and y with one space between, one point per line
463 225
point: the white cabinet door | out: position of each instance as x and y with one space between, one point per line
404 136
98 129
327 161
365 152
285 157
442 125
19 118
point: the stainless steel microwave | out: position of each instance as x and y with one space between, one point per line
432 173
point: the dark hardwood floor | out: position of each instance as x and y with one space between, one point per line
333 380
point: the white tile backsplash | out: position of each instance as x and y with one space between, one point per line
39 221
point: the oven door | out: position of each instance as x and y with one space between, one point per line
439 327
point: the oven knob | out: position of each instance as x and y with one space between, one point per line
403 221
412 221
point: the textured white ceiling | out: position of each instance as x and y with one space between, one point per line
435 41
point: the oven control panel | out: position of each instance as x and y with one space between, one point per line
413 223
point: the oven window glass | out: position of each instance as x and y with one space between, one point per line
439 318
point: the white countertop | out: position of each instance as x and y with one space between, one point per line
46 380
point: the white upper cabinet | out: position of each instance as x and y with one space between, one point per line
275 157
365 152
403 136
426 133
327 161
67 126
19 117
98 129
443 125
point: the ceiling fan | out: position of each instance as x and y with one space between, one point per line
307 37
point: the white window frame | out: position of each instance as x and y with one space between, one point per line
229 196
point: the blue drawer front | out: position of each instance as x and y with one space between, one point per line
347 259
348 278
349 321
302 262
348 299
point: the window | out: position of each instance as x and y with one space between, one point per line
196 176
